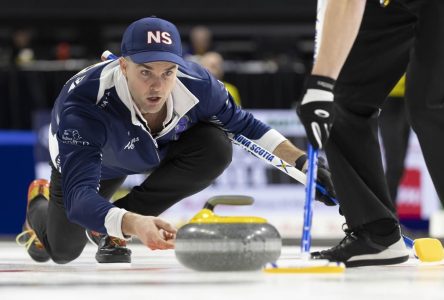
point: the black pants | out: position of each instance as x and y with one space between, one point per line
407 32
395 133
192 163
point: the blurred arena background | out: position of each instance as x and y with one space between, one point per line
267 48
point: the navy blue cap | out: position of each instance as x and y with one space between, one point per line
152 39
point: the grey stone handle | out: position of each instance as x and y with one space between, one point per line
228 200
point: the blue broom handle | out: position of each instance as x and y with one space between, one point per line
309 197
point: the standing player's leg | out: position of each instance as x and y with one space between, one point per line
376 62
425 89
395 133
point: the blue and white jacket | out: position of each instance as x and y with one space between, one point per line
98 133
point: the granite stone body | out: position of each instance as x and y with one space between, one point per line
227 246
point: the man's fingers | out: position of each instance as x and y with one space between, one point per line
168 235
156 233
164 225
160 244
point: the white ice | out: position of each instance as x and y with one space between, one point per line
157 275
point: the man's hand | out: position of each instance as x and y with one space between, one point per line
315 109
154 232
323 178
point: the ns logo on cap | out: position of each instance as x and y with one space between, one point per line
158 37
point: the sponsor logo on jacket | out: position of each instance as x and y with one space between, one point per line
73 137
183 124
131 144
75 83
254 148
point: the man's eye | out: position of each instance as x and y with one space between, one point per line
169 73
145 72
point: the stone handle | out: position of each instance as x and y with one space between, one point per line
228 200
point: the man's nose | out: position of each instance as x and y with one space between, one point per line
156 83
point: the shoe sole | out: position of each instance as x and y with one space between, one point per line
110 259
376 262
395 254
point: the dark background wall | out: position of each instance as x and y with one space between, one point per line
278 32
181 10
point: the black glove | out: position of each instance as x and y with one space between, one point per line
323 178
315 109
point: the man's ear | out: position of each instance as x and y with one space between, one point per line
123 65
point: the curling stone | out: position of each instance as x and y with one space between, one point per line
218 243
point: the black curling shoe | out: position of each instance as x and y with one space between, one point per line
359 249
110 249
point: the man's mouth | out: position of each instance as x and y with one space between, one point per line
154 99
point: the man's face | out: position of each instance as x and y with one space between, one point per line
150 84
